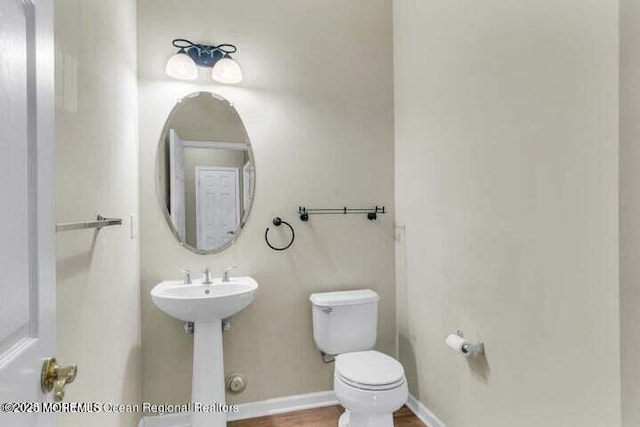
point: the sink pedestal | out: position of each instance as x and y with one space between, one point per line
206 304
208 375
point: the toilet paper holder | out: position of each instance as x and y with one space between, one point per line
471 348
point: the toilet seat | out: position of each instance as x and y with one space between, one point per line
369 387
369 370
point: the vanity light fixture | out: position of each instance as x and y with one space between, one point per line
183 65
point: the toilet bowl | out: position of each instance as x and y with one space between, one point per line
370 385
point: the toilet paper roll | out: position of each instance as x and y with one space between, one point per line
458 344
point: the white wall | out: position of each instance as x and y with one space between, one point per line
506 184
97 172
317 102
630 209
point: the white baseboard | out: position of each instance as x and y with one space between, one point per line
262 408
168 420
425 415
283 405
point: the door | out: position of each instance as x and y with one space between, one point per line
176 176
218 206
27 212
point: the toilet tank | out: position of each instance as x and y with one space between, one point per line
345 321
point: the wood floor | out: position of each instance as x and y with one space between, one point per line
321 417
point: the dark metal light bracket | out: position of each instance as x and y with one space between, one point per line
205 55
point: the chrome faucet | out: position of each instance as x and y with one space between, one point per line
206 277
187 276
225 273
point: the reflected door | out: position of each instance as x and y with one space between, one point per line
218 206
27 215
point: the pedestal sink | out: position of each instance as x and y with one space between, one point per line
206 305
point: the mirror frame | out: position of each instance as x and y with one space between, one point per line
165 210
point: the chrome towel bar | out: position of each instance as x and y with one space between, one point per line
99 223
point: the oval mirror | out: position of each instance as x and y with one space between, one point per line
205 173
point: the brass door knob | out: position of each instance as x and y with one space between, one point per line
55 377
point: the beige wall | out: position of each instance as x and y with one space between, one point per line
205 118
317 102
97 172
506 184
630 209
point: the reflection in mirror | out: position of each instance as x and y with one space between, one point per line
206 173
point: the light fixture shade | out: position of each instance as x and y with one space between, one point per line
227 71
181 66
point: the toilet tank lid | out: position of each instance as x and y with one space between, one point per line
334 299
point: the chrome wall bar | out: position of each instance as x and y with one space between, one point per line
99 223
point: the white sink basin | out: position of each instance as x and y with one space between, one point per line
202 303
206 306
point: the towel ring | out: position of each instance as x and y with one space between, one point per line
277 221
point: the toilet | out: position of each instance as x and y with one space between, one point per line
369 384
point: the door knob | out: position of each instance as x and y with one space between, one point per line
55 377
